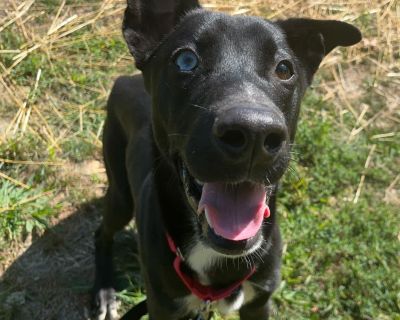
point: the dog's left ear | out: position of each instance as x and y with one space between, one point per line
146 22
312 39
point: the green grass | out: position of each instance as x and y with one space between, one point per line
341 259
23 210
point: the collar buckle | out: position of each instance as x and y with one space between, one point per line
206 306
204 312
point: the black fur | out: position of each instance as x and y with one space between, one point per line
230 119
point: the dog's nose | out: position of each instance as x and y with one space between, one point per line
243 132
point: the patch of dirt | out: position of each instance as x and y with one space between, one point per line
52 277
88 167
52 274
88 176
392 196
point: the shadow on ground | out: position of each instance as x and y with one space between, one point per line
53 277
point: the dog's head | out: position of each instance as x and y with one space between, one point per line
226 92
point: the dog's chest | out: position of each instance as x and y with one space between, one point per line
192 304
200 259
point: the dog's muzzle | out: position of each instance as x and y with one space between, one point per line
230 214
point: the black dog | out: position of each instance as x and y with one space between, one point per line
195 147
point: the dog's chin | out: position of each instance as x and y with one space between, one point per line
226 247
232 231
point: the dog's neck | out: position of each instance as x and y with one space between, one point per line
171 198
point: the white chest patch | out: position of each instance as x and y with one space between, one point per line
200 258
224 307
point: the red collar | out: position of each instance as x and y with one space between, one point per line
205 293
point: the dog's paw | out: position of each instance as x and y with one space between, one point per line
104 305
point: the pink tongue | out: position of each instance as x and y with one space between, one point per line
234 212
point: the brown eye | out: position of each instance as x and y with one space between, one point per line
284 70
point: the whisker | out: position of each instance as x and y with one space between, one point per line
177 134
200 107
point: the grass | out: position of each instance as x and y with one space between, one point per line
340 260
339 203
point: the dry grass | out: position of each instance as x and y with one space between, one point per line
50 38
377 59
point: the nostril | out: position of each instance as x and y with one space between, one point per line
233 138
273 142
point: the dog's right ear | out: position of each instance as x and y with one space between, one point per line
146 22
311 40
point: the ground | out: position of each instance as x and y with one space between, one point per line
339 202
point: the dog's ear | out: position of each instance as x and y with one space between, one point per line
146 22
312 39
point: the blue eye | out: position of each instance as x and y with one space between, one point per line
186 60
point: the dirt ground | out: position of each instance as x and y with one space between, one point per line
51 279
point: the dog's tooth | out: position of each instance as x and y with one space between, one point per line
208 218
199 182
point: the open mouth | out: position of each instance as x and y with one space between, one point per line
233 211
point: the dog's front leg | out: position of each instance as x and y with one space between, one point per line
103 292
117 213
103 295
